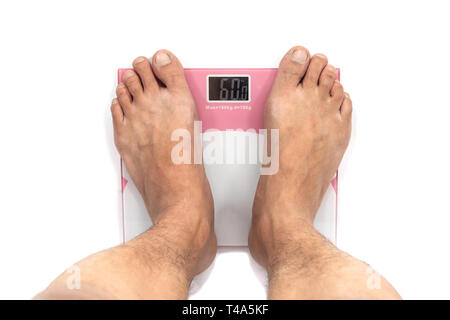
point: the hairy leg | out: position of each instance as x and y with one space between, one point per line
313 114
152 102
159 264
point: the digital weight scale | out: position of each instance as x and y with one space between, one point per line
230 104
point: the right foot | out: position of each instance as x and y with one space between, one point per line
313 114
152 102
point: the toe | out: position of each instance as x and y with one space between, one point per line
326 80
337 93
168 69
117 114
316 65
292 67
133 83
346 107
124 98
142 67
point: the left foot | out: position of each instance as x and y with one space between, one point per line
152 102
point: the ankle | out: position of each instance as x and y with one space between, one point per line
282 243
188 234
193 201
307 252
189 227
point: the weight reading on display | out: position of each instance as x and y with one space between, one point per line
228 88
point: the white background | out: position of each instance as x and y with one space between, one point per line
59 191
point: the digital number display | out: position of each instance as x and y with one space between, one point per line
228 88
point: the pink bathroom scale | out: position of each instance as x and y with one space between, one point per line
230 104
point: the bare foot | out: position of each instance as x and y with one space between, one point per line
153 101
309 107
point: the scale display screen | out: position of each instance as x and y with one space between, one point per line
228 88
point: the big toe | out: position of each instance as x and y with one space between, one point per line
168 69
292 67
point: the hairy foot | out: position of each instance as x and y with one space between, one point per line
152 101
309 107
313 114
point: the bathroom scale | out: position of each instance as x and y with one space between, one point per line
230 104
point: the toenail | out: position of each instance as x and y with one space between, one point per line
115 101
299 56
162 59
331 69
321 56
346 95
139 60
120 86
127 74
